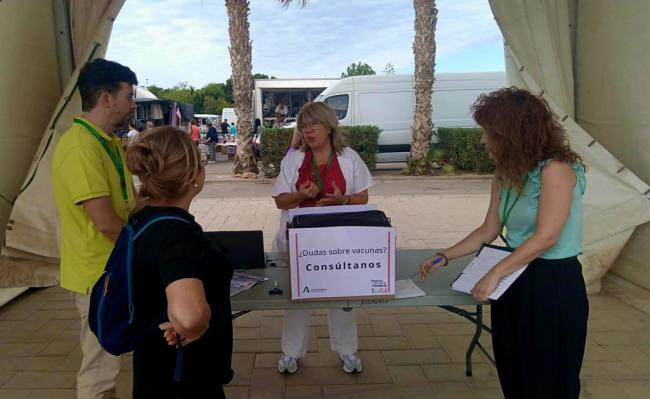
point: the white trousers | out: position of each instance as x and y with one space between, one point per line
342 329
98 372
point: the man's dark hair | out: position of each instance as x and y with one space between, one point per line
101 75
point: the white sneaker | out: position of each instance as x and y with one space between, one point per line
351 363
287 364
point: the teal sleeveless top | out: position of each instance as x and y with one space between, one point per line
522 220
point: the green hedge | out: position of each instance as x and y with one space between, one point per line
364 140
275 143
462 148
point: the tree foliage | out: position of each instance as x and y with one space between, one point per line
360 68
209 99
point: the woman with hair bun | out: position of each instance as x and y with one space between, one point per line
176 270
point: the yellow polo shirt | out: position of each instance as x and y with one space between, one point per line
82 170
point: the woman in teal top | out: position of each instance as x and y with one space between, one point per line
539 325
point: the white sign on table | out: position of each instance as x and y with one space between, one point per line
342 262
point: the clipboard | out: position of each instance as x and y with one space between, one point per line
486 258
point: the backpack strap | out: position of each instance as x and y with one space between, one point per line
149 222
134 233
178 368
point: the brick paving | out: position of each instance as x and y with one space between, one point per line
407 352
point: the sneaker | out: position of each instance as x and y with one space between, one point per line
287 364
351 363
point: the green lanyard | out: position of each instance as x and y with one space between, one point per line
314 167
114 155
507 211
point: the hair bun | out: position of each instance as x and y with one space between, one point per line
166 160
140 160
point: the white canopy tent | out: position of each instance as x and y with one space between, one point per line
52 40
590 71
589 59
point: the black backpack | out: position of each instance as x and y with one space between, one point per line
111 314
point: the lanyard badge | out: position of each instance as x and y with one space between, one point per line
507 211
316 174
113 154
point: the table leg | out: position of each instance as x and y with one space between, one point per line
477 319
235 315
474 342
474 317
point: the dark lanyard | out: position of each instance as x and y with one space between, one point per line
314 167
507 211
114 155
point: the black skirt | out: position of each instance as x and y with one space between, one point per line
539 329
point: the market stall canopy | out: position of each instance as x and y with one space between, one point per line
187 110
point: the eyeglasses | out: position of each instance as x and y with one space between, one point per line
308 125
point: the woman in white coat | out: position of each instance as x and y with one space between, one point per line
324 172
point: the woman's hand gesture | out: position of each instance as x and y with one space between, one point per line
335 198
308 190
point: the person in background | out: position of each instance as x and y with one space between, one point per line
281 112
178 271
133 133
149 125
343 179
539 325
213 138
225 128
195 132
258 126
257 138
233 130
94 194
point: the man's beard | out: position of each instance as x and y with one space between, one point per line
123 124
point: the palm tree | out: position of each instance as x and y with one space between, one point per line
242 84
424 49
240 62
287 3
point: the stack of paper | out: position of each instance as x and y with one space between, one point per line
407 289
484 261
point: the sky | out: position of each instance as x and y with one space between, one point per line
170 41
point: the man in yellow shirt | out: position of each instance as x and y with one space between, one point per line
94 195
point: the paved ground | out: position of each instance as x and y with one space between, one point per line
407 353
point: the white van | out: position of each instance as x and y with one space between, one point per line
229 113
388 101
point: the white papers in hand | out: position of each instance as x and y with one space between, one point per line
484 261
407 289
